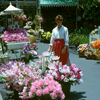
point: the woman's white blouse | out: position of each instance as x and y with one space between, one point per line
61 33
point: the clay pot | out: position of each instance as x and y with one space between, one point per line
32 38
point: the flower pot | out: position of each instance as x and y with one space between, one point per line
32 38
66 86
81 54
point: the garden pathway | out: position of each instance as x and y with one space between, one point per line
88 90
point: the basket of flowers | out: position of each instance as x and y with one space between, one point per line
89 54
81 48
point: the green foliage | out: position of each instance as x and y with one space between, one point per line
79 37
91 11
36 22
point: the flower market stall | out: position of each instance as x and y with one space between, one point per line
44 79
15 37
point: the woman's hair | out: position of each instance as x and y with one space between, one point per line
59 17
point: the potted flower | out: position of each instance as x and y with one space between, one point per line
43 89
81 48
66 75
96 45
30 49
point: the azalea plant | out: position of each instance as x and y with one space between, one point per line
15 35
30 48
43 88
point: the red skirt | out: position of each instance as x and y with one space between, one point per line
58 45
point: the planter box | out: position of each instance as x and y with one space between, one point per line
16 45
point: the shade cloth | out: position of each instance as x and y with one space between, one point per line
48 3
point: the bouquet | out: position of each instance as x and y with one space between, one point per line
30 48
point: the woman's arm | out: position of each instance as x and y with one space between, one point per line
51 42
49 48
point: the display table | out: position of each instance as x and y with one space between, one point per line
17 47
93 37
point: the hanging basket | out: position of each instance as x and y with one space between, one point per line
40 19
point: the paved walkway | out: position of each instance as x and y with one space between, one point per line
88 90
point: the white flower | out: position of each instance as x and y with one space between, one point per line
66 80
24 88
54 74
72 78
81 80
62 77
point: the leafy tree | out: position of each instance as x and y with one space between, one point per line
91 12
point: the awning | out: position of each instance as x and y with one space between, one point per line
55 3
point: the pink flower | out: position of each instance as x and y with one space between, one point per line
39 92
78 76
79 70
24 92
41 56
63 97
62 77
30 95
53 95
45 91
33 89
46 54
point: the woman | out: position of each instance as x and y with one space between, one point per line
59 41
